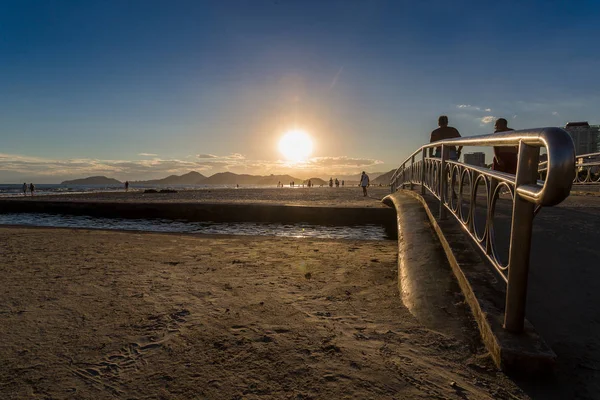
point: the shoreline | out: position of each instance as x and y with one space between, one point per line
331 207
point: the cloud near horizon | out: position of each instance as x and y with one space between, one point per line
469 107
14 168
487 119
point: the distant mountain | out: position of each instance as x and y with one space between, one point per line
229 178
191 178
384 179
317 181
93 180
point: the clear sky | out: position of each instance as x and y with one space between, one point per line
139 89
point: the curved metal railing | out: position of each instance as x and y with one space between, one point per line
587 169
472 194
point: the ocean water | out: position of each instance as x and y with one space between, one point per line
11 190
357 232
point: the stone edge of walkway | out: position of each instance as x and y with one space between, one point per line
525 354
215 212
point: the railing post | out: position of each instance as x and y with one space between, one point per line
412 171
520 241
423 171
403 174
443 184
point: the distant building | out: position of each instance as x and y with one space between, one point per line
586 137
477 158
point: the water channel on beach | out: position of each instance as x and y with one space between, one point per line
300 230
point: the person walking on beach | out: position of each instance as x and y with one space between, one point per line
330 182
24 189
364 182
31 188
342 183
505 157
126 186
445 132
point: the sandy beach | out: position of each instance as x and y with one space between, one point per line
105 315
298 196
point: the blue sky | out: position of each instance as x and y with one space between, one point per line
138 89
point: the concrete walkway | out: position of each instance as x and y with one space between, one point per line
564 298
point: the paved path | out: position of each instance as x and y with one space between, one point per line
564 297
564 291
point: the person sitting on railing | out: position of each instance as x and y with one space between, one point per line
505 157
445 132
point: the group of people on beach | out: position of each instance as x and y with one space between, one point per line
505 157
337 182
31 188
292 184
364 183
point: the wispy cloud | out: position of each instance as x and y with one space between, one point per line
232 156
487 119
554 112
469 107
335 78
342 162
147 154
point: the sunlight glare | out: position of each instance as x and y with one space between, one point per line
296 145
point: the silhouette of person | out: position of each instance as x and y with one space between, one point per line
445 132
330 182
31 188
337 183
505 157
24 189
342 183
126 186
364 183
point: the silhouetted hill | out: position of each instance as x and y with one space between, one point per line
384 179
229 178
191 178
93 180
316 181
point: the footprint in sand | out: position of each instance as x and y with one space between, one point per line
103 373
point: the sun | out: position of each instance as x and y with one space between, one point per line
296 145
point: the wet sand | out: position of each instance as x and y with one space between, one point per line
104 315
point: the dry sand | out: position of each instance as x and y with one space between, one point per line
319 196
104 315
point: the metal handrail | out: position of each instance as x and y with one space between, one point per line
587 169
456 184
